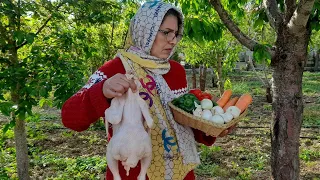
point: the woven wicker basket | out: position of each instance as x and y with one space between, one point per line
208 127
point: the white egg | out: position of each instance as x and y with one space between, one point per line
206 114
234 110
217 110
217 119
227 117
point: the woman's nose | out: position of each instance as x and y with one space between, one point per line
173 41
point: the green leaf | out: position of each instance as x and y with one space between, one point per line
258 22
8 126
19 36
261 53
196 26
6 108
41 102
30 38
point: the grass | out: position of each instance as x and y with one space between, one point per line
58 153
311 115
53 150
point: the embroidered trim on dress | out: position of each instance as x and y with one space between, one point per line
96 77
179 92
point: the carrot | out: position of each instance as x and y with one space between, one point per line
231 102
244 101
224 98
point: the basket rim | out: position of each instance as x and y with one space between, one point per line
210 123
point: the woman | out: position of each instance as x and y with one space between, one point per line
154 32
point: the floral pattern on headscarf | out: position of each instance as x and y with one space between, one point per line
144 27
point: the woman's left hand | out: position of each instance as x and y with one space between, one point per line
227 131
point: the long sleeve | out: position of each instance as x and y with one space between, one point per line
88 104
201 137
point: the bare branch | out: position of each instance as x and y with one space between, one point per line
290 6
233 28
43 25
264 81
301 15
273 13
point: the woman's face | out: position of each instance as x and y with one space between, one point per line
162 47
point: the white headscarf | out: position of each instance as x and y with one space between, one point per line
144 27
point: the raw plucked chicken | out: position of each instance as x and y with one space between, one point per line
131 140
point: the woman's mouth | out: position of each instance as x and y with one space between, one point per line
168 50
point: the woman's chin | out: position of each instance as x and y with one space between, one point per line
164 56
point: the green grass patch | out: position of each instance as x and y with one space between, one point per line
310 84
311 115
252 87
309 154
70 168
211 170
267 107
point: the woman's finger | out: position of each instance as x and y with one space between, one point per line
119 88
223 133
108 93
133 85
129 83
230 129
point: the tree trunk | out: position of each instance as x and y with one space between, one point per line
21 150
219 76
288 64
203 76
317 61
19 130
268 94
194 77
214 84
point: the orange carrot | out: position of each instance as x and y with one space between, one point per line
244 101
224 98
231 102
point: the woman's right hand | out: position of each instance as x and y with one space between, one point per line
117 85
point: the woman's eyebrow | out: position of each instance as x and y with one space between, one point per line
171 29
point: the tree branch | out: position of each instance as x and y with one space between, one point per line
232 27
290 6
301 15
273 13
41 27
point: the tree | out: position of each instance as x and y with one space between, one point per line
293 23
39 54
203 43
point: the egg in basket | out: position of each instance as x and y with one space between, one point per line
197 110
